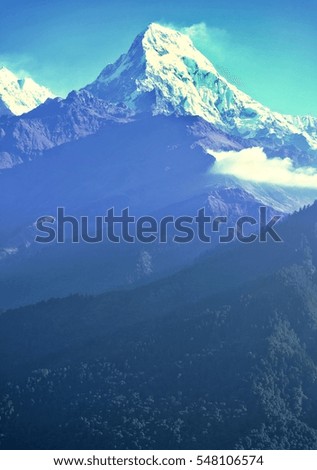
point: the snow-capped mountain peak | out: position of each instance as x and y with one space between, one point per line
18 96
161 74
158 66
164 72
163 45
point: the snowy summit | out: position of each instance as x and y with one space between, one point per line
164 70
18 96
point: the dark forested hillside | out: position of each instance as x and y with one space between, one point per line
220 355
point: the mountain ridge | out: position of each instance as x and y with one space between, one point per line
162 73
91 151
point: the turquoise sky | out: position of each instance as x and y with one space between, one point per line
268 49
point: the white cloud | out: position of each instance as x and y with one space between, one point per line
215 39
252 164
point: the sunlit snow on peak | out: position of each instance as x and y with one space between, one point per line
18 95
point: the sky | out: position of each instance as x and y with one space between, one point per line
266 48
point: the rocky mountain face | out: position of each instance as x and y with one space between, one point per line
55 123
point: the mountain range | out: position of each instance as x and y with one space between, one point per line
161 74
144 134
161 345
